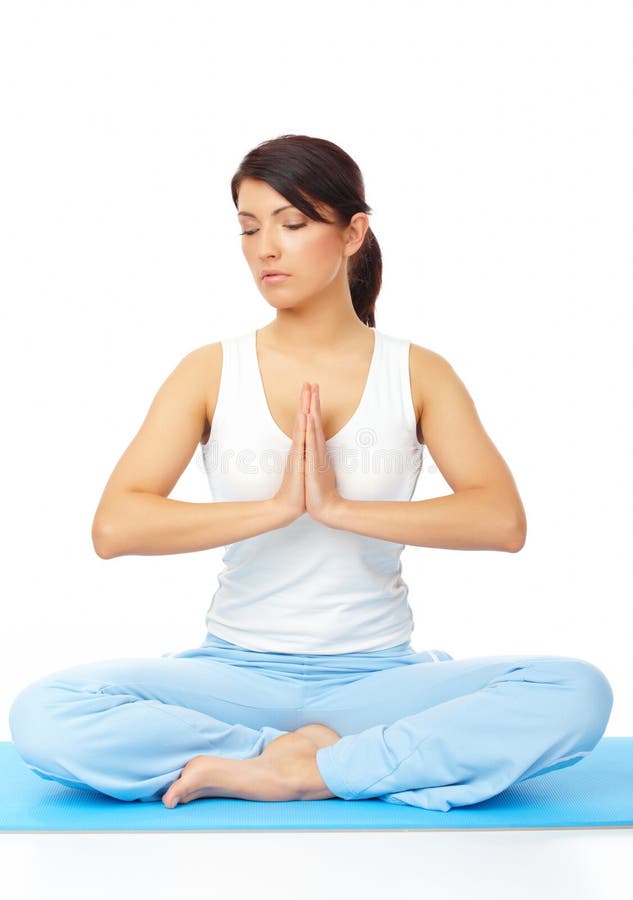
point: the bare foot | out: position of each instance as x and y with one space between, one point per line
285 770
215 776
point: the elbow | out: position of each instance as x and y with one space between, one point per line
101 543
516 535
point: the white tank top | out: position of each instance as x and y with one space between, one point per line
307 587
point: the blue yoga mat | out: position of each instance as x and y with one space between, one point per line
595 792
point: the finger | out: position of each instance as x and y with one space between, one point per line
297 449
305 397
318 421
315 405
304 403
301 445
318 433
311 451
312 404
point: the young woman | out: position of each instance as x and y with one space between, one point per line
312 431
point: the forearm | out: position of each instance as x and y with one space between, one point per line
475 519
150 525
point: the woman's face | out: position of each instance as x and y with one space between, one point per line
276 235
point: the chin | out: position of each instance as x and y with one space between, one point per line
278 301
280 304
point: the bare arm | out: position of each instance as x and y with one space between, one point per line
485 512
135 514
471 519
149 525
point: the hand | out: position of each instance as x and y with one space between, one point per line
321 494
291 494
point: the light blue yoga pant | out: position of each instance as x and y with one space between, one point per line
417 728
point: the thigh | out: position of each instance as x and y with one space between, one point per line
227 692
353 704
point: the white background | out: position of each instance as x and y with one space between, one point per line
495 140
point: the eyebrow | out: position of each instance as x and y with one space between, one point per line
274 213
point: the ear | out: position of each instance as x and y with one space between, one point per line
355 233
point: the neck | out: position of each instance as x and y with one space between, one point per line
313 328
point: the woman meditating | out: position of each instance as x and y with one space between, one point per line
312 429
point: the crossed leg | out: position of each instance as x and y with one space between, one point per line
478 725
431 734
128 727
456 732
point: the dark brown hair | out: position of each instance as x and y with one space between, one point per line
303 168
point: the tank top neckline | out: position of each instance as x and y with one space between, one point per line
361 404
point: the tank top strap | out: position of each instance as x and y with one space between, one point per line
402 350
391 392
233 378
228 383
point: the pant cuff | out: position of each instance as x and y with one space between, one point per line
332 778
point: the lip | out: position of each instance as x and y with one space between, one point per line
272 279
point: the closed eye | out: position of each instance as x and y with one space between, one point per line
294 227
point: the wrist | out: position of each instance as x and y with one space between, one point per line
334 513
280 512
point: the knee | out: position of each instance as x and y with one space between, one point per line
592 697
30 730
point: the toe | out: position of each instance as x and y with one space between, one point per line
170 798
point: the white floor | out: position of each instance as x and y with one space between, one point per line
561 864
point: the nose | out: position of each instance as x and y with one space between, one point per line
267 245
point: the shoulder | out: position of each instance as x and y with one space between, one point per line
424 361
425 365
207 354
427 370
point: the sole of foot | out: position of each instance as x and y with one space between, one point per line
292 758
285 770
